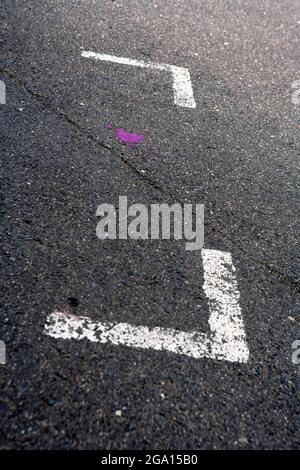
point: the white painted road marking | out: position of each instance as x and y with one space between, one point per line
226 340
2 92
182 86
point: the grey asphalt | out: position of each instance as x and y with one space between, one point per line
237 153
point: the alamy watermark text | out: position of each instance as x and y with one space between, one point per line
163 221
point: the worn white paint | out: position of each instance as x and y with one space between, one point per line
226 341
2 353
296 94
228 337
2 92
182 86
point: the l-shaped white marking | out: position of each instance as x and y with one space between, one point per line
182 86
226 340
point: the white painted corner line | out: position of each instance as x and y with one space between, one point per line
226 340
182 86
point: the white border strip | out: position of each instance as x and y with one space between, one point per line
226 341
182 86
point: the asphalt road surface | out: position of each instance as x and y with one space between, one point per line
236 150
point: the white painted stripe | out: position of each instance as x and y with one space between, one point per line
226 341
225 319
124 61
182 86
